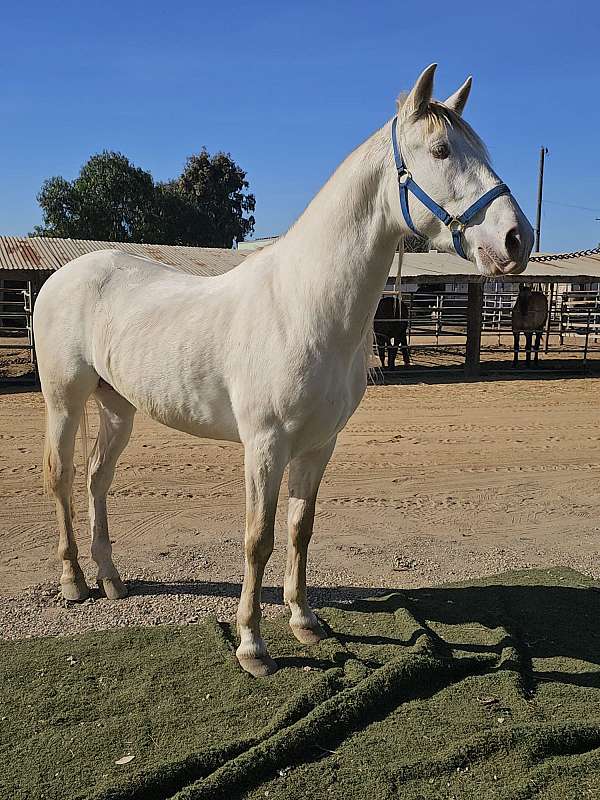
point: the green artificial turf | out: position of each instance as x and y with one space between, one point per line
488 689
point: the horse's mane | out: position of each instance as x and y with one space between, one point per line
439 117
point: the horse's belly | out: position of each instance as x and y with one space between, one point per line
199 407
201 421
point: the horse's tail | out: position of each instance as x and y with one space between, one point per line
46 461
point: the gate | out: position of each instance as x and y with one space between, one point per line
17 350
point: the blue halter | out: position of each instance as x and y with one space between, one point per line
456 224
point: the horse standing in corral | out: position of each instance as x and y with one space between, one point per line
284 373
529 315
390 326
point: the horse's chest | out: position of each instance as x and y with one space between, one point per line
326 408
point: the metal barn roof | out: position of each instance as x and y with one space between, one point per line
47 255
19 254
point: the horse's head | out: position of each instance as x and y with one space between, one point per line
441 155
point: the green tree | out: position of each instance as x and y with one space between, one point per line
216 186
112 200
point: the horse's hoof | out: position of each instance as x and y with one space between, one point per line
309 635
112 588
258 667
75 590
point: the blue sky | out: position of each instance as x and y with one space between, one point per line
290 88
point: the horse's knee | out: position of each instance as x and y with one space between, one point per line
300 517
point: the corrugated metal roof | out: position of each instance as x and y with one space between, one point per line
433 265
47 255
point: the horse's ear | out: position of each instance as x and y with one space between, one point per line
458 100
419 96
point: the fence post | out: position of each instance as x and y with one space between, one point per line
474 317
549 320
587 336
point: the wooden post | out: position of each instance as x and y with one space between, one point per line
474 316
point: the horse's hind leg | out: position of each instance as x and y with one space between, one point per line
536 347
516 337
64 408
392 353
305 476
381 348
116 422
528 340
405 349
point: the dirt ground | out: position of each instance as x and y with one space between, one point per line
429 483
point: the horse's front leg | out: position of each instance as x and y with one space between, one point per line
265 460
305 476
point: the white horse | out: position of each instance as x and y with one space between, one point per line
272 354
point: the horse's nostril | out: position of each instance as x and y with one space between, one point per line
513 244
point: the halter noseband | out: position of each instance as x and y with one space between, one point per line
456 224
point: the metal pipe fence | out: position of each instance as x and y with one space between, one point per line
16 322
435 318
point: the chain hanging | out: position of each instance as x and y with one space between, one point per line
565 256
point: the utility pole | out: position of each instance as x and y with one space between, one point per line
538 220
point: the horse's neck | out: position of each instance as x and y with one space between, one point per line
339 253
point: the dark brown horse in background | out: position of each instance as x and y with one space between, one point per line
529 315
391 324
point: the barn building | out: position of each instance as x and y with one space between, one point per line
445 293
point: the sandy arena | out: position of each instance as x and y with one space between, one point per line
429 483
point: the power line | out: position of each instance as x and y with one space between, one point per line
572 205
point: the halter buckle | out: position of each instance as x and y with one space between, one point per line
404 176
455 225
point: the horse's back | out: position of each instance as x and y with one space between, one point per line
102 270
391 316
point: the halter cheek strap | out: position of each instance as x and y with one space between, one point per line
457 225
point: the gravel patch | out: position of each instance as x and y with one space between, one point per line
165 594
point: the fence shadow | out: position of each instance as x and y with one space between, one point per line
490 372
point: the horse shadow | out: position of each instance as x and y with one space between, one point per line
554 628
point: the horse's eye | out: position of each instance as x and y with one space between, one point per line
440 150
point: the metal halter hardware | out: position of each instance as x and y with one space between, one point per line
456 225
